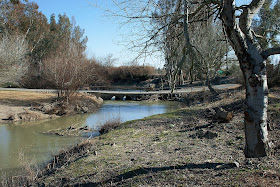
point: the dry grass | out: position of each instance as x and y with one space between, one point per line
25 95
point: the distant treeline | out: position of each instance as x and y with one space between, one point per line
39 53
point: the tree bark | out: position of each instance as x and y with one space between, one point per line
255 121
253 66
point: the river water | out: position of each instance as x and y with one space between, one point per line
26 141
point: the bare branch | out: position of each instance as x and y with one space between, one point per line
248 14
272 51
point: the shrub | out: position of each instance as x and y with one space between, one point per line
109 126
130 74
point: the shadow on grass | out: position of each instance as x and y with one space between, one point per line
209 125
143 171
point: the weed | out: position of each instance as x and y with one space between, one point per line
28 174
109 126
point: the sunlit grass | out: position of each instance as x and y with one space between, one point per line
25 95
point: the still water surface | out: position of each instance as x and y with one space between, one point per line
26 138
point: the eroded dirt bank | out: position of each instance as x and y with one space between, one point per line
18 106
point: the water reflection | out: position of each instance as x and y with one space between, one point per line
126 111
4 144
28 137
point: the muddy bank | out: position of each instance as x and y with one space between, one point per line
17 106
188 147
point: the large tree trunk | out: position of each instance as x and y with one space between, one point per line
256 103
253 65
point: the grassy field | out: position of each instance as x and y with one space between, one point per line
25 95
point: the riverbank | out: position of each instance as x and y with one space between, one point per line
187 147
17 106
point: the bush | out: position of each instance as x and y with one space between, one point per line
9 85
130 74
109 126
100 76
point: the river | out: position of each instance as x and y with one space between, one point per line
26 141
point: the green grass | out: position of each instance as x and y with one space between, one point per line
175 114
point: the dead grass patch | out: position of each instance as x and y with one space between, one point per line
25 95
25 98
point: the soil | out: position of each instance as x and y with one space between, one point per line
182 148
17 106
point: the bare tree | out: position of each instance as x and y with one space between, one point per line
13 63
67 70
109 60
208 39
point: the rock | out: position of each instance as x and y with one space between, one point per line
222 115
156 139
113 144
85 128
71 128
58 134
210 112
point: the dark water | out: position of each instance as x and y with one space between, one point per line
25 139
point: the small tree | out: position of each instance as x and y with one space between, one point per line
67 70
208 39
